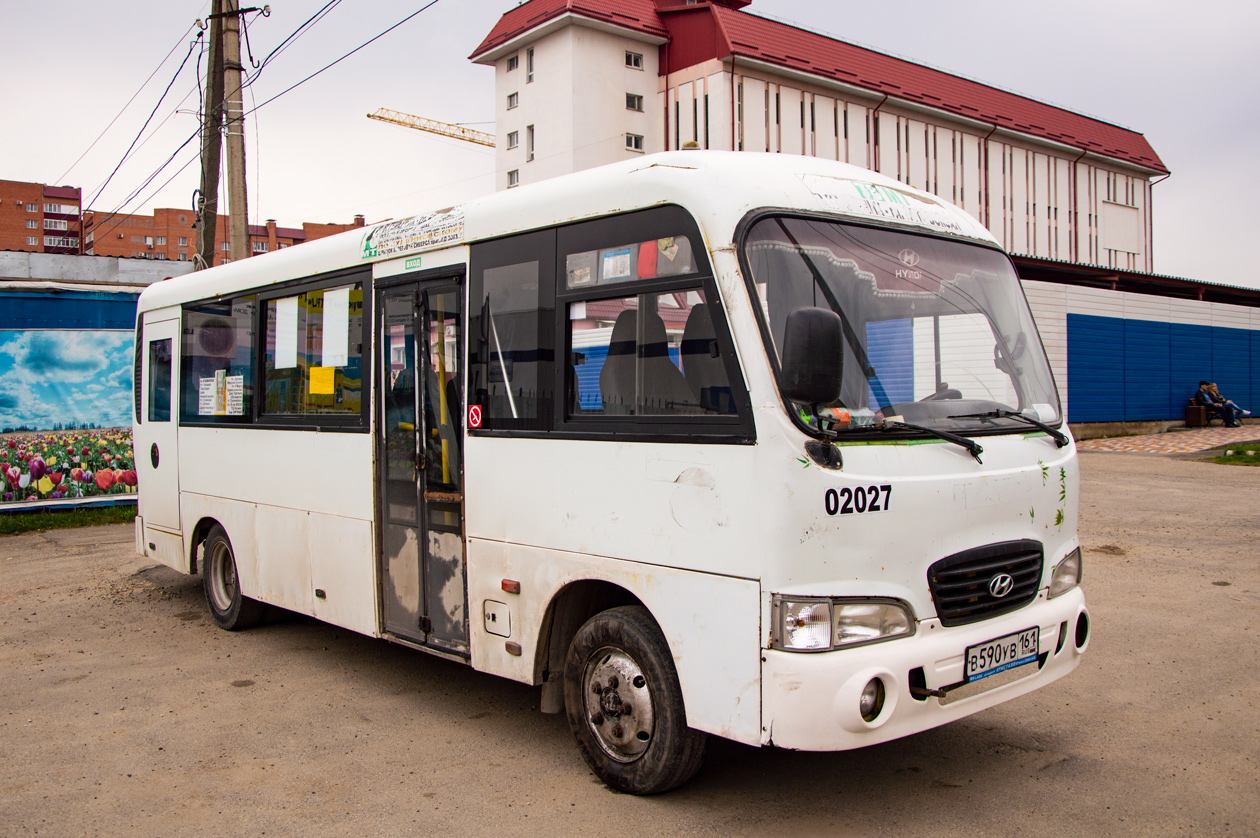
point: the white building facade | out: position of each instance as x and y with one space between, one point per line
581 83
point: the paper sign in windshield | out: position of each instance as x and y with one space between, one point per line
854 197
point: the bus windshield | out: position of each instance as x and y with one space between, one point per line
937 332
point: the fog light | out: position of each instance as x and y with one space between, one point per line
872 700
1082 630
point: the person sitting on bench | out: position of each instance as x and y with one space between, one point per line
1203 398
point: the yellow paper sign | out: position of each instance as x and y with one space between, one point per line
322 380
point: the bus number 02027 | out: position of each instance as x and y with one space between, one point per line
857 499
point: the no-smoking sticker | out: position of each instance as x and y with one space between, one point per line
474 416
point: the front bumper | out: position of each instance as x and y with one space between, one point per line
810 701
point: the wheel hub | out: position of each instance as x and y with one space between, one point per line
618 704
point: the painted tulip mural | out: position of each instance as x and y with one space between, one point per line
65 399
52 465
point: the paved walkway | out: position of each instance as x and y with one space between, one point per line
1175 442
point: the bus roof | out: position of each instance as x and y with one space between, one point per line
745 181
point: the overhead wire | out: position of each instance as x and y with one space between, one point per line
169 85
335 62
283 45
122 110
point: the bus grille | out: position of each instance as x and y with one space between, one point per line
963 585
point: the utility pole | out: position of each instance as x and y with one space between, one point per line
211 141
234 110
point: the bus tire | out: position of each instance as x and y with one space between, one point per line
219 579
624 704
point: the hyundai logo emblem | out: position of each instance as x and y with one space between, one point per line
908 258
1001 585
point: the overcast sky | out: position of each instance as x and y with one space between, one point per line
1187 75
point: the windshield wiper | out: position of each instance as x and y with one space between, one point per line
1060 439
970 444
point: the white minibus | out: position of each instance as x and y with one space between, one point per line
763 447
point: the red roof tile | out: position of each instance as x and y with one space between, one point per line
713 30
778 43
637 15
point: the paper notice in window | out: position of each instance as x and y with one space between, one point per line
220 392
322 380
336 327
286 333
205 397
616 264
235 395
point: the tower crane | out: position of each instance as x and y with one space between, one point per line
445 129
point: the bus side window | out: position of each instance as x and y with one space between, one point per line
512 331
216 370
647 355
160 381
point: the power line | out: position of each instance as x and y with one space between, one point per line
169 85
373 39
129 101
123 216
293 36
314 18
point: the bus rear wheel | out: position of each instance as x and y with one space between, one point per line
624 704
229 609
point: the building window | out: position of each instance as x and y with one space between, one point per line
60 241
53 224
183 241
514 178
282 245
529 65
260 247
183 257
32 241
57 209
634 142
224 246
513 62
31 208
514 99
634 102
514 139
529 143
161 240
634 60
31 224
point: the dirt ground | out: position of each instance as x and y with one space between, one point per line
124 711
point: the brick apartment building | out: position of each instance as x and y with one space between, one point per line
39 219
168 234
35 218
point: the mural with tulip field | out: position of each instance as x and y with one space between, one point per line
67 464
65 415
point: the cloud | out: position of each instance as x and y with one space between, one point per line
47 356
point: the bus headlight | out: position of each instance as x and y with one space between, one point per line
1067 574
813 624
863 621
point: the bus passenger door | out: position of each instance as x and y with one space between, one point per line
157 466
420 464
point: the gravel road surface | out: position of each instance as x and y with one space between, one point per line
125 711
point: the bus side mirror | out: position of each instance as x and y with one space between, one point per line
813 356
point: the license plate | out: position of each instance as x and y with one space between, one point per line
1001 654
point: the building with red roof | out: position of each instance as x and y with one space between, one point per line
581 83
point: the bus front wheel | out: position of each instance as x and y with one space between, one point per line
229 609
624 704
